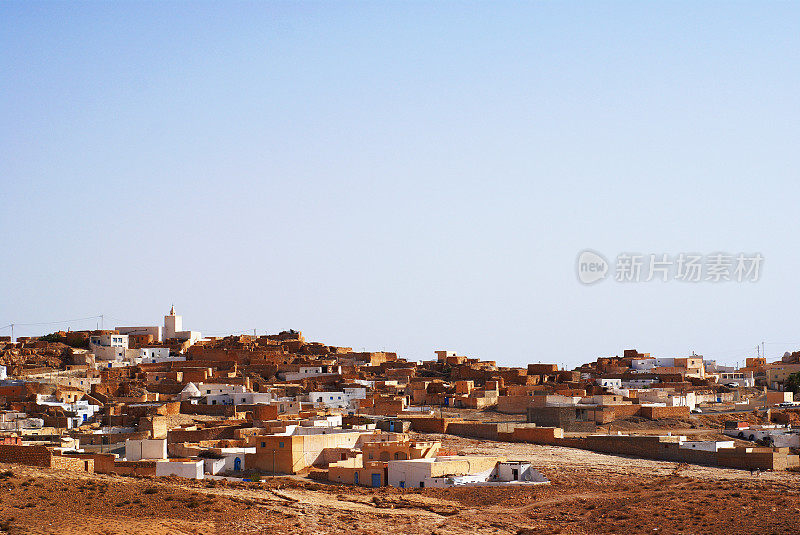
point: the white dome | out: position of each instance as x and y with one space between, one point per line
190 390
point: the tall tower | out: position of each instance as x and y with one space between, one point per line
172 324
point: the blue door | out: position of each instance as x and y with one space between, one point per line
237 464
391 425
376 480
355 478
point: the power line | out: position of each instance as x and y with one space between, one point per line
241 331
55 322
121 322
40 323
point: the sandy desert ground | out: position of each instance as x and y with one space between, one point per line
590 493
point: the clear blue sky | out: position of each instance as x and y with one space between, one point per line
408 176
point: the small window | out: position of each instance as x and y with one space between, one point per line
280 444
263 444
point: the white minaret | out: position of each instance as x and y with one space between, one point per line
172 324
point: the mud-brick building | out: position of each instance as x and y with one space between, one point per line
44 457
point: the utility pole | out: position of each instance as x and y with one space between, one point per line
12 333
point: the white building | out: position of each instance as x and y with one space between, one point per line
82 410
108 340
740 379
187 469
669 398
639 383
213 465
215 389
190 391
226 394
644 365
173 328
338 400
777 435
145 449
331 420
305 372
234 458
154 355
711 366
112 347
239 398
611 384
706 445
449 471
3 373
14 420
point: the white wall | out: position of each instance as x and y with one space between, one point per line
647 364
610 383
505 472
108 340
339 400
332 420
172 324
740 378
187 469
242 398
156 353
230 458
137 450
781 437
213 466
638 383
214 389
706 445
412 472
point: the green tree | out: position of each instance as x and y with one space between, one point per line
53 337
792 383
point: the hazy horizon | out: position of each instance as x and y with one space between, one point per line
402 177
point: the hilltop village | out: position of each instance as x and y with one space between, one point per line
160 401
